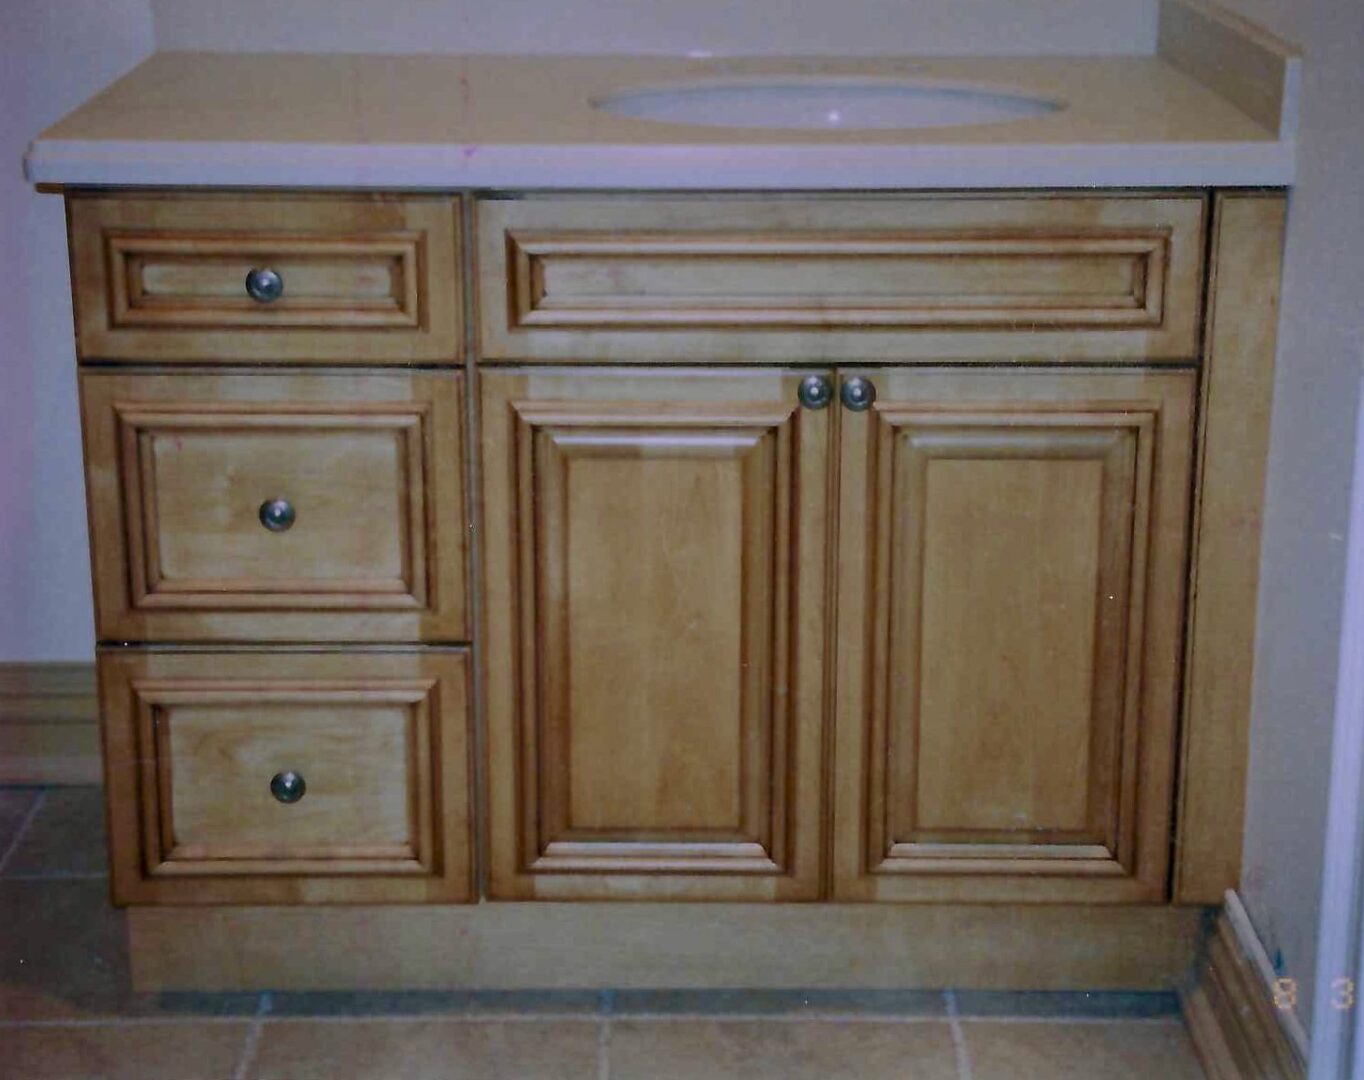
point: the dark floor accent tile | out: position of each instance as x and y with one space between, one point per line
779 1002
64 954
434 1003
65 837
1105 1005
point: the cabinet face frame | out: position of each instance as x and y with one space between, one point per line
775 455
150 862
870 588
127 416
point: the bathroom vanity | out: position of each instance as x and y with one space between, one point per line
540 546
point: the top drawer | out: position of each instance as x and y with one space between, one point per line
873 278
367 279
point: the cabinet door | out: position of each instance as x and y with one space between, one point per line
1011 566
655 585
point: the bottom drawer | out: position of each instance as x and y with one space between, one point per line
287 777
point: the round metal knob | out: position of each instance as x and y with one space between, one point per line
264 285
277 514
857 393
288 787
816 391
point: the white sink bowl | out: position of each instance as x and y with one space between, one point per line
824 103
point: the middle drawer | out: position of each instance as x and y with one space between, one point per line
277 507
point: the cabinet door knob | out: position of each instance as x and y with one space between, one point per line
277 514
288 787
264 285
857 394
816 391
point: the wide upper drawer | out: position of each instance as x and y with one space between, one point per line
276 507
285 777
370 279
876 278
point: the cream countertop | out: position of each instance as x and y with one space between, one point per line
411 122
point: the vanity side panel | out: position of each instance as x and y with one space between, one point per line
1238 378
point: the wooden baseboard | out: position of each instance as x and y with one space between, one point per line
1230 1010
49 724
498 946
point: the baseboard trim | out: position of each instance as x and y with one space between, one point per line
1229 1007
49 724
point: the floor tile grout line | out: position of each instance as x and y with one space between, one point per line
22 830
606 1009
251 1042
958 1035
604 1048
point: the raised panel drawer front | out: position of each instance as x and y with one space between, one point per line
266 279
277 507
1011 590
775 280
654 569
253 777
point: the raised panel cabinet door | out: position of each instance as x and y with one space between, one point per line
1011 569
654 569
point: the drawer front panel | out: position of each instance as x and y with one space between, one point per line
288 778
267 279
270 507
819 279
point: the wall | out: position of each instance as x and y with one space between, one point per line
1321 347
52 56
631 26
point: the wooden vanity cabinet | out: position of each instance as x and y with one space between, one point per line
835 549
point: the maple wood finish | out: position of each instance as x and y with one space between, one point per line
1011 561
366 279
194 740
1238 377
574 946
734 643
373 469
654 576
877 278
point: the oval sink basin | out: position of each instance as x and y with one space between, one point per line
826 103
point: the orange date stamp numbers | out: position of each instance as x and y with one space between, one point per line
1343 994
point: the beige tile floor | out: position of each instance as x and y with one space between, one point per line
66 1010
